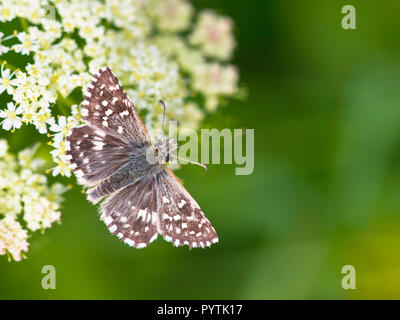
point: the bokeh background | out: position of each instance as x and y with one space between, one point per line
325 106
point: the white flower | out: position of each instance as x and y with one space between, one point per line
6 81
12 238
215 79
40 213
41 120
11 121
7 10
28 43
213 34
61 128
25 194
62 166
170 15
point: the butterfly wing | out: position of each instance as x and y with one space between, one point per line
107 107
139 207
94 154
182 222
112 134
158 204
131 213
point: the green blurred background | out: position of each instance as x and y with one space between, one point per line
325 106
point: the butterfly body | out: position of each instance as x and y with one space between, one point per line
112 154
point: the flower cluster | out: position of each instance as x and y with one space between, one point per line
13 238
158 49
151 46
214 35
25 200
170 15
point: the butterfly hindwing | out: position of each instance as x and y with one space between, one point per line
182 222
131 214
158 204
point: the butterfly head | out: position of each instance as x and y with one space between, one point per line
160 152
164 148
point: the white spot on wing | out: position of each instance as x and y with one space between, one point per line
165 199
153 237
142 214
98 145
181 204
100 133
108 220
124 113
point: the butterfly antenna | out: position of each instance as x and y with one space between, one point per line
190 161
163 115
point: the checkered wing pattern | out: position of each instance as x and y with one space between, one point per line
181 221
108 154
95 154
112 134
131 214
107 107
158 205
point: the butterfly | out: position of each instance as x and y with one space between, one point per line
112 155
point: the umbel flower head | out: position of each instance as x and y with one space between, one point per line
214 35
158 49
27 202
12 238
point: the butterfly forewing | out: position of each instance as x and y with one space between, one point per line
111 136
107 106
94 154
